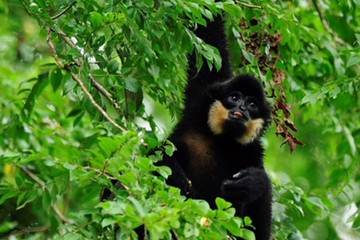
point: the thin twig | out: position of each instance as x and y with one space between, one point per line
24 6
66 38
325 23
26 230
60 214
105 92
43 187
250 5
95 83
64 11
100 172
80 83
34 177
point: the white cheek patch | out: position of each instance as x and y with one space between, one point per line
218 114
253 129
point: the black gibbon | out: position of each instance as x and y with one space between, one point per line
219 151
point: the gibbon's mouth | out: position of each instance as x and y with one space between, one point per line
236 115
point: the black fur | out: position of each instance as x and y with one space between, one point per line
209 165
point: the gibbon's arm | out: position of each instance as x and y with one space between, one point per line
214 35
176 163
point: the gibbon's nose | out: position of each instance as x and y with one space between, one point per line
242 107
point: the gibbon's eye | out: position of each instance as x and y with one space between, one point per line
252 106
234 97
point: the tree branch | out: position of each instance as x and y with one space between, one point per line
24 6
26 230
105 92
66 38
94 83
34 177
80 83
64 11
325 23
43 187
250 5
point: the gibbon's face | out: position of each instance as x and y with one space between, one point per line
239 109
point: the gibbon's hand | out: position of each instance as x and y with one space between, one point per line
246 186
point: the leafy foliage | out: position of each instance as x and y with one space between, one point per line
88 89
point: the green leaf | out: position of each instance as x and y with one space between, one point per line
190 231
312 97
74 53
164 171
222 204
315 201
46 200
73 236
356 224
129 178
235 32
132 84
151 142
247 221
8 195
56 78
69 166
149 3
169 148
138 206
353 60
6 226
248 56
36 90
29 197
200 207
107 221
74 112
109 145
217 59
69 86
113 66
154 70
351 140
112 208
144 164
95 20
247 234
233 9
233 227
